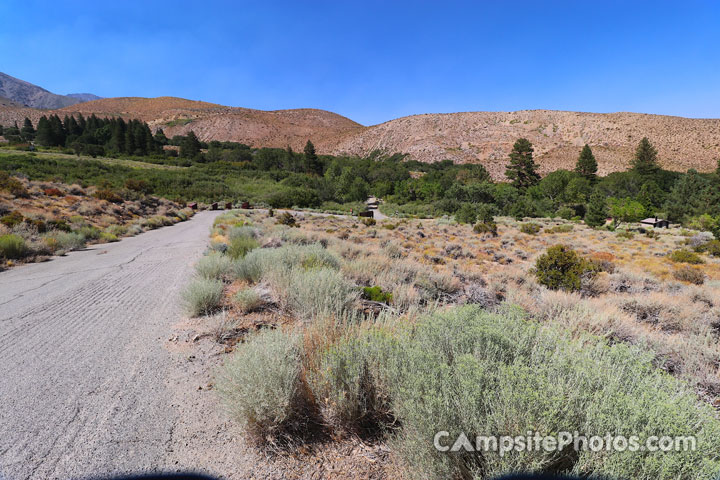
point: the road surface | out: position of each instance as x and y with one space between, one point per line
88 385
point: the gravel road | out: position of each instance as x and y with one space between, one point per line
89 386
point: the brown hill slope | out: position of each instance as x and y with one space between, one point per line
487 137
470 137
177 116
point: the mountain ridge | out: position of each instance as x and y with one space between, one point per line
33 96
463 137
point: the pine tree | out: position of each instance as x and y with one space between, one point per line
312 162
650 196
521 170
190 146
27 132
58 131
687 197
596 210
160 137
645 161
44 135
586 163
2 131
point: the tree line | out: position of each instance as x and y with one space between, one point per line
306 179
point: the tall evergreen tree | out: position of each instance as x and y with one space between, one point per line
645 161
651 196
44 135
160 137
522 168
586 163
312 162
27 132
596 210
58 131
1 130
688 197
190 145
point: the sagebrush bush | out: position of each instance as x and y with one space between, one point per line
240 246
561 268
216 266
203 296
248 300
61 242
626 234
12 247
689 274
275 264
686 256
354 398
89 232
260 385
319 292
560 229
473 372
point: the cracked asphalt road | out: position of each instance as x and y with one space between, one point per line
88 386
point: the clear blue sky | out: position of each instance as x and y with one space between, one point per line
376 60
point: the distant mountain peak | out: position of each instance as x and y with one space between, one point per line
29 95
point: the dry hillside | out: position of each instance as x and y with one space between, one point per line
487 137
484 137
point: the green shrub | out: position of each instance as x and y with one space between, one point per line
117 230
108 237
61 242
89 232
216 266
489 228
560 229
376 294
686 273
713 248
686 256
530 228
467 213
565 213
369 222
12 185
287 219
12 219
260 385
626 234
12 247
203 296
561 268
240 246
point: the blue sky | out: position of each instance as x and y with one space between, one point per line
376 60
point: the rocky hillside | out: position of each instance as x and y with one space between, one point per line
28 95
487 137
470 137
